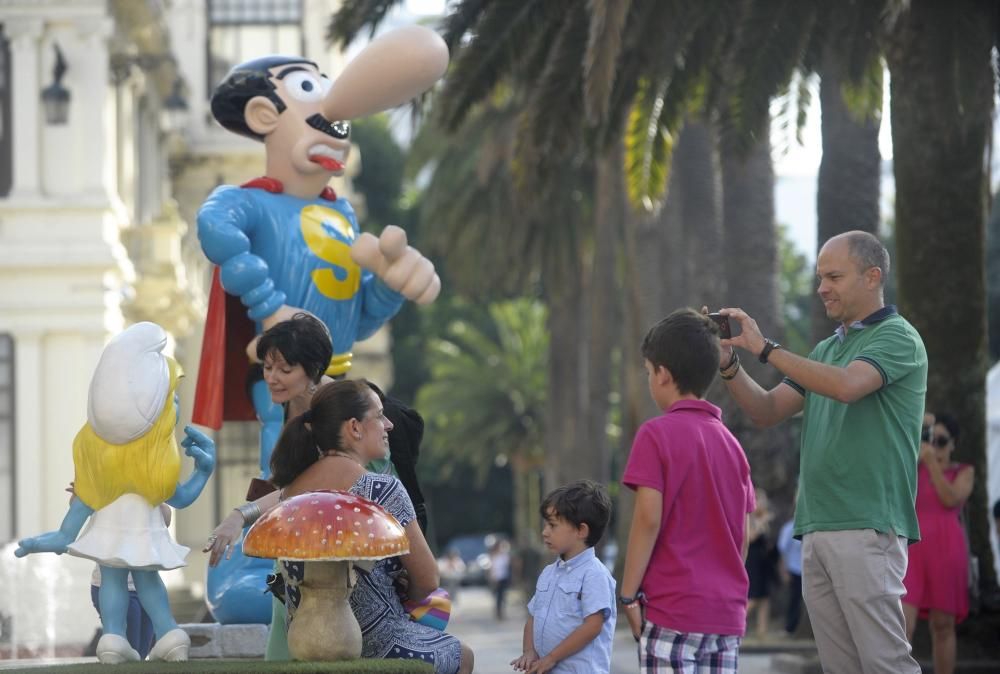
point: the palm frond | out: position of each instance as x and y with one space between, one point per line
550 127
355 15
863 98
498 40
462 18
600 61
771 43
648 146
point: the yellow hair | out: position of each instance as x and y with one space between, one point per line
148 466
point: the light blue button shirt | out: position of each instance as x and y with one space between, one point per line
790 548
566 593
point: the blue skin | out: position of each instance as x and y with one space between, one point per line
113 597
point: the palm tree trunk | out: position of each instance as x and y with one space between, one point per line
593 460
698 188
564 381
848 187
751 266
942 96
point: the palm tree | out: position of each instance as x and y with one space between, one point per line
942 88
485 401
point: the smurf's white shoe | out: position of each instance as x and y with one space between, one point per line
114 650
172 647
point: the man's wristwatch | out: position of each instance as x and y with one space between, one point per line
769 346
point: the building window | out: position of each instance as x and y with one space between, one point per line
239 30
7 482
6 142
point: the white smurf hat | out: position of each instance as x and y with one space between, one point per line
130 384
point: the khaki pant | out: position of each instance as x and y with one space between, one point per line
852 583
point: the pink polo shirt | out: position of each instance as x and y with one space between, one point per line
695 581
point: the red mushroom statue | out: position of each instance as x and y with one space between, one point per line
328 530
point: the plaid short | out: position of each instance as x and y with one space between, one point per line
665 650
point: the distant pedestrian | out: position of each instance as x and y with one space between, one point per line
451 568
760 565
687 545
791 566
499 575
571 617
937 576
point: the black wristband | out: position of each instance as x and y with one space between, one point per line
628 601
769 346
733 359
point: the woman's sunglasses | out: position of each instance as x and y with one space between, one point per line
939 441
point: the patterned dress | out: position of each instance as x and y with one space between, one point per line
386 629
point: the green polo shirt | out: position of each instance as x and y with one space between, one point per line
858 465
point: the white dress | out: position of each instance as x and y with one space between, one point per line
129 533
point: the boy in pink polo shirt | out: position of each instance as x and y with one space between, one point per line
684 589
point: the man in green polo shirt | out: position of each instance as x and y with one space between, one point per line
861 392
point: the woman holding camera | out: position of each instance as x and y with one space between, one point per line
937 574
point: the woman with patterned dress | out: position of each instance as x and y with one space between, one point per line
937 573
327 447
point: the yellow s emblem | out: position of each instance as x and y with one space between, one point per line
317 223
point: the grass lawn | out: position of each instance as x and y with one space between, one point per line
360 666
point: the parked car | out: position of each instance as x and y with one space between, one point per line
474 549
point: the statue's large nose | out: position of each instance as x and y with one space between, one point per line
392 69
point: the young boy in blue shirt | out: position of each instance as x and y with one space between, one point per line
571 617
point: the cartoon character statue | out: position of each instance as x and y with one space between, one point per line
127 463
285 242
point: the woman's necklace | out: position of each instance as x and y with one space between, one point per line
350 457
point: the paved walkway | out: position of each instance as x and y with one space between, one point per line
496 643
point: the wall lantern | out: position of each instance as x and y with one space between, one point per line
55 97
175 107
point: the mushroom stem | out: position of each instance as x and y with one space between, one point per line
324 627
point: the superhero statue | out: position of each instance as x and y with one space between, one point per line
285 242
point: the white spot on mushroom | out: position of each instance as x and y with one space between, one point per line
356 509
329 527
336 507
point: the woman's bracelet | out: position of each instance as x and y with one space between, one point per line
250 512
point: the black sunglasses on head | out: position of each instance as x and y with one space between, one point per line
939 441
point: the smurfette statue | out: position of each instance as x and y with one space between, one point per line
127 463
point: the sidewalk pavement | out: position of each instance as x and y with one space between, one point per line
497 642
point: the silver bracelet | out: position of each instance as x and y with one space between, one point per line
250 512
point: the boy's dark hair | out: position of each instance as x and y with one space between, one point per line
301 340
687 344
244 82
581 502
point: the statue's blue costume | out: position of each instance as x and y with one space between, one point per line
275 249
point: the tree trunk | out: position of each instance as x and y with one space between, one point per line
751 266
593 458
942 95
562 293
847 195
698 188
